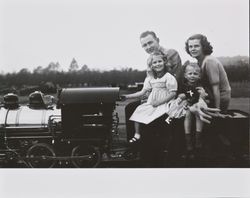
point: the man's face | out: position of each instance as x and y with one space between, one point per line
195 48
150 44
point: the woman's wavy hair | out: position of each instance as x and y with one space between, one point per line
164 58
205 44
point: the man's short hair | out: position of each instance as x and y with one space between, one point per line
146 33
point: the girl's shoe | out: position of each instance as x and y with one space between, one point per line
168 120
134 140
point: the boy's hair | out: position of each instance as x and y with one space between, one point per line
192 64
164 58
183 80
146 33
205 44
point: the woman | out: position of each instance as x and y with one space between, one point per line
214 77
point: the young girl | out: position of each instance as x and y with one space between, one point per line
189 94
163 88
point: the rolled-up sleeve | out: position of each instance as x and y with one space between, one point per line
212 71
146 85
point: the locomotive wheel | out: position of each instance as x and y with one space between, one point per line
89 156
41 156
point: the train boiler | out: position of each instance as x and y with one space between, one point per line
26 129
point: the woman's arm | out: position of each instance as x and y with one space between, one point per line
216 93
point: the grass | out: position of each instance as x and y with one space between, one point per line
240 89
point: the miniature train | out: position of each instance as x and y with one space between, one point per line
80 130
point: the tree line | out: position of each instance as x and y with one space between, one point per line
53 76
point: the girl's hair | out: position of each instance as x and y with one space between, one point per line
164 58
205 44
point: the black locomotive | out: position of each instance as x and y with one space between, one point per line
82 128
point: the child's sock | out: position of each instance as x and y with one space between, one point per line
137 136
189 144
198 142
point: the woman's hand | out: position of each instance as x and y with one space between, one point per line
202 92
205 113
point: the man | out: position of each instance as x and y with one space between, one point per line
151 44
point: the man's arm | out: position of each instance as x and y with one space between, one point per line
174 60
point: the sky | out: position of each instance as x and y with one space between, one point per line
104 34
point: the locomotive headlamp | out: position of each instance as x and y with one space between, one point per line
36 100
10 101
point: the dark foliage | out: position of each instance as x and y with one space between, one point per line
50 78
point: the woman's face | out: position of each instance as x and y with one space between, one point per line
192 74
157 64
195 48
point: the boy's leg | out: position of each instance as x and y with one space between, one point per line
188 128
199 127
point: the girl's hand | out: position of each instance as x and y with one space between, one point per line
123 97
155 103
182 96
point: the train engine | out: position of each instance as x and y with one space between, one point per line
78 131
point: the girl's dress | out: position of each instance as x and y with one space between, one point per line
161 88
177 108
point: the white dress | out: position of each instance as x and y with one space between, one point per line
177 108
161 88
